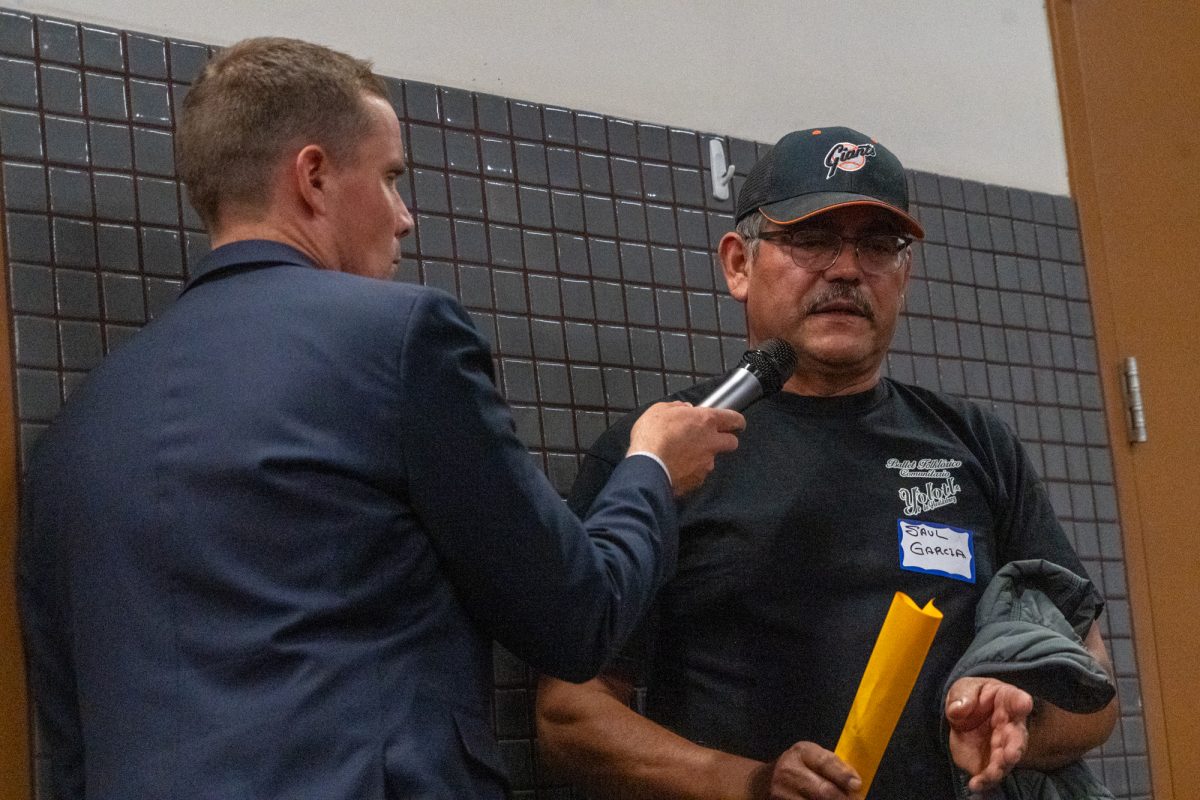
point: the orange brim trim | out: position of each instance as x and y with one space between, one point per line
914 227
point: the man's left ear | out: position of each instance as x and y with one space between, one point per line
734 253
310 172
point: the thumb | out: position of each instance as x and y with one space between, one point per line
959 707
961 703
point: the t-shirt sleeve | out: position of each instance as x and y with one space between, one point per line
610 447
1030 527
598 465
594 472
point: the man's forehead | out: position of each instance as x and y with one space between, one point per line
386 127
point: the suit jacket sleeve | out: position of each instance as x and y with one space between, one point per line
45 627
560 593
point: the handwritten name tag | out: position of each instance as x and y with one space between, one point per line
937 549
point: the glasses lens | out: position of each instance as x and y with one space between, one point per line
880 253
814 250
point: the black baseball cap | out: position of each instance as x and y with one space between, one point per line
811 171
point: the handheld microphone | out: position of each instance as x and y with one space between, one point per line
762 372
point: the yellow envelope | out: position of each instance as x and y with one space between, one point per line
889 678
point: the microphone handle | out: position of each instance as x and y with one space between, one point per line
737 391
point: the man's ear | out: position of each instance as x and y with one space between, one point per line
310 174
734 252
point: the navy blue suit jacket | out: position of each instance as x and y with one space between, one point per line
268 542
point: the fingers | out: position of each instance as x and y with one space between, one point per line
676 413
1010 736
972 701
727 420
1015 702
807 770
989 735
725 423
687 439
1008 748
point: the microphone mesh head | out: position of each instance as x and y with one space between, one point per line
772 363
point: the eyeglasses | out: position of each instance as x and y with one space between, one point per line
817 250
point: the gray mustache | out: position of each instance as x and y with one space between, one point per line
842 292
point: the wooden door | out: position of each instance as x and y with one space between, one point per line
14 733
1129 82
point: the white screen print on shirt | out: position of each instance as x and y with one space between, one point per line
926 546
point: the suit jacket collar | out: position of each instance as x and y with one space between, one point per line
247 254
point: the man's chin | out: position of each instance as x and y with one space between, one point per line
838 331
838 351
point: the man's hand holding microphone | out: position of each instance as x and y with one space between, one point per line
686 438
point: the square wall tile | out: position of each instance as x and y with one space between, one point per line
62 90
18 83
16 34
187 60
58 40
20 134
147 56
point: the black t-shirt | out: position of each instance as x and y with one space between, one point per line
791 552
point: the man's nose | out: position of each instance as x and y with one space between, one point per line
845 266
404 220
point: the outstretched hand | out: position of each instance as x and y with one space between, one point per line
988 733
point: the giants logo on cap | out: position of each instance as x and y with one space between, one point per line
850 157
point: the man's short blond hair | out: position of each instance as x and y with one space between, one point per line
253 102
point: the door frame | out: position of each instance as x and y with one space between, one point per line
15 765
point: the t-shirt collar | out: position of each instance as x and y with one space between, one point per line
838 405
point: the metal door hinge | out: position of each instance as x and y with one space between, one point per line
1135 412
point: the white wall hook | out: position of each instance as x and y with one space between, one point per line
722 175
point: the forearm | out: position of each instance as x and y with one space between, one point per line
1058 737
589 734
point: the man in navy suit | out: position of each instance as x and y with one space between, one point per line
267 544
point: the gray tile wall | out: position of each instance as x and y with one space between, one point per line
581 246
